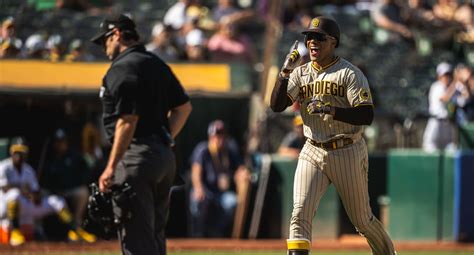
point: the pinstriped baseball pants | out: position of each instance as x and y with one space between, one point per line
347 169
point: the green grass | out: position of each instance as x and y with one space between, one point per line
263 253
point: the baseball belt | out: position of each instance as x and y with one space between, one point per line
332 145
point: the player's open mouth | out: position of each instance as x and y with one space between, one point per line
314 51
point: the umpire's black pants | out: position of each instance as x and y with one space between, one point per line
149 167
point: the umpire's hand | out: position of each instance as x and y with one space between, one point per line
106 179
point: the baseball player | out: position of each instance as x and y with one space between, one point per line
21 202
439 131
335 104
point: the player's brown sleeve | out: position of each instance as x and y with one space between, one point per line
360 115
280 100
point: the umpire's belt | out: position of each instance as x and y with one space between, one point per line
154 138
332 145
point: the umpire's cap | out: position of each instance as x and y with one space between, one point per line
121 21
324 25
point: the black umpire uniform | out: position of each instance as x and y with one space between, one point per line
141 84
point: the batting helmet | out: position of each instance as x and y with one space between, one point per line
324 25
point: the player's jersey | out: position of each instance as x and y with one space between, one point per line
340 84
10 176
437 108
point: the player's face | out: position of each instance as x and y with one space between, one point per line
111 44
218 140
18 158
321 47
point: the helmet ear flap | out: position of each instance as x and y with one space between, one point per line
306 40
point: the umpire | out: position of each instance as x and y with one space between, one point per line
144 108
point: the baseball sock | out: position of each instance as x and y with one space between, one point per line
13 212
66 217
298 246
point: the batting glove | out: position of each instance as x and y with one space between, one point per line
292 60
317 106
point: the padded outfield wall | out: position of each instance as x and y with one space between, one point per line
431 195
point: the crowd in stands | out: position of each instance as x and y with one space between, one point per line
405 20
212 30
189 31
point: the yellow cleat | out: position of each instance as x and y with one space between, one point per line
72 236
16 238
86 236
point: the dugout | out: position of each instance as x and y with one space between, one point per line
65 95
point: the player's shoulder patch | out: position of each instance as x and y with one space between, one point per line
364 94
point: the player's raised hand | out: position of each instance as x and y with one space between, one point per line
317 106
292 60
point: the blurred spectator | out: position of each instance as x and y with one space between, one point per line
176 14
196 50
75 5
227 11
463 94
468 108
439 131
10 46
228 45
387 15
419 14
465 15
66 174
216 171
78 53
293 142
162 43
55 46
93 7
298 14
35 47
201 15
224 8
456 17
300 20
422 20
22 202
191 24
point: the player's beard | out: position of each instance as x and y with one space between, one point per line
115 51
